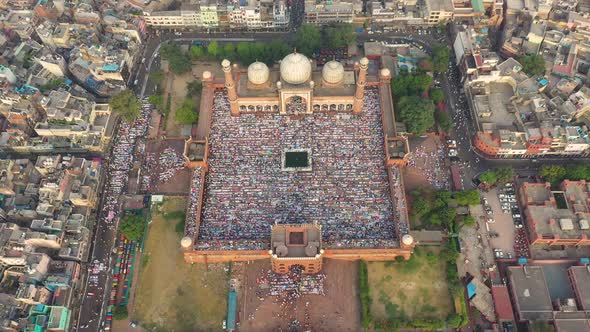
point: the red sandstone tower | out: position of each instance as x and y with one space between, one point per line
361 81
230 85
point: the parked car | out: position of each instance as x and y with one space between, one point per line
490 220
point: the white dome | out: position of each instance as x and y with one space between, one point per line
186 242
333 72
258 73
295 68
385 72
407 240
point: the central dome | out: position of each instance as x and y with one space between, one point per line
295 68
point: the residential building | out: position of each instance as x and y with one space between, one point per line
324 12
557 217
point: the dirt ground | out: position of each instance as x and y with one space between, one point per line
179 183
337 310
173 295
426 167
422 294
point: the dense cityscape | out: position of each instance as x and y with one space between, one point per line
294 165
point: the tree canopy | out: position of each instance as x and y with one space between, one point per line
467 197
307 39
126 105
339 35
213 49
157 76
533 65
437 95
552 173
120 312
488 177
187 113
410 84
444 120
577 172
504 174
157 101
132 226
193 89
440 58
178 61
196 52
416 113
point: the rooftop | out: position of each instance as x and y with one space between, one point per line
530 290
581 278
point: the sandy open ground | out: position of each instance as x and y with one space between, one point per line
173 295
337 310
422 294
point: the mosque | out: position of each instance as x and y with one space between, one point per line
295 88
298 91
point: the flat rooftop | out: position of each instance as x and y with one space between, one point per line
581 278
347 190
530 290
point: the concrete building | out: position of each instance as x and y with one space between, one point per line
327 12
188 16
557 218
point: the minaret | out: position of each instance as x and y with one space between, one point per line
230 85
361 81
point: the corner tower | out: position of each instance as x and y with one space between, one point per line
230 85
361 82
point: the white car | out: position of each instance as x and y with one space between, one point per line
490 220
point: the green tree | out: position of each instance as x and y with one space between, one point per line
307 39
169 50
229 51
213 49
467 197
120 312
488 177
577 172
126 105
279 49
194 88
339 35
157 76
416 113
410 84
187 113
245 52
420 207
437 95
533 65
196 52
468 221
440 58
157 101
552 173
55 83
132 226
504 174
446 215
180 64
444 120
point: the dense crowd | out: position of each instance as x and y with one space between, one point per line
399 201
122 161
164 166
190 225
432 165
246 191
